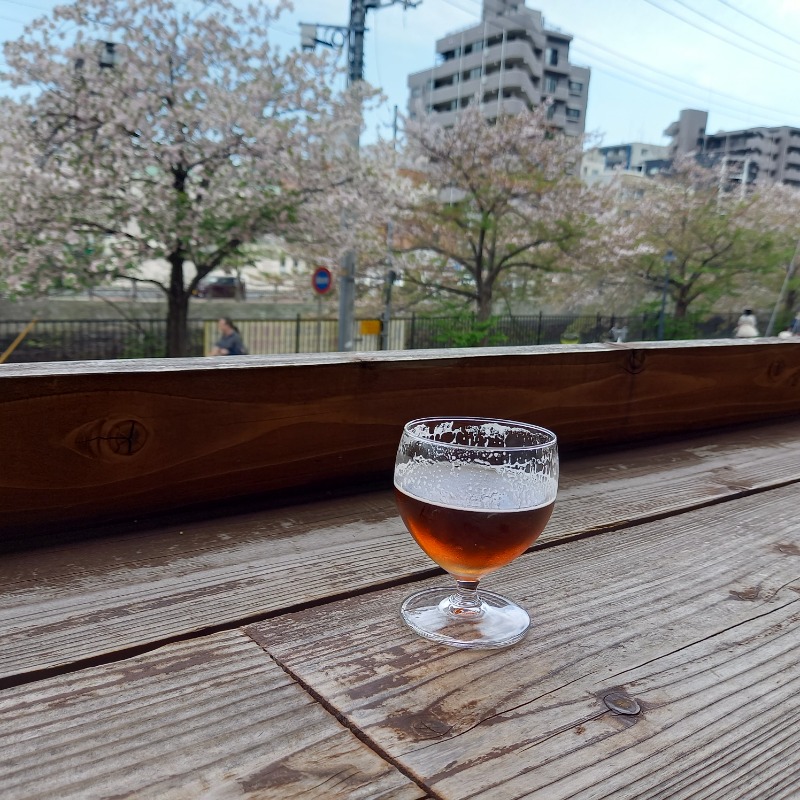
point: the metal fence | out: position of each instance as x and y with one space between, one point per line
77 340
71 340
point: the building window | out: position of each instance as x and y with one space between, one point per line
575 87
470 74
551 56
551 111
573 113
550 84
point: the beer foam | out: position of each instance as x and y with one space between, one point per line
476 486
483 433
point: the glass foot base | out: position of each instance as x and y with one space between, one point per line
496 623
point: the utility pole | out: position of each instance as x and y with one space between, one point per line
353 34
669 260
790 270
391 277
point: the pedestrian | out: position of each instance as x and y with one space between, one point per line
230 341
747 325
619 332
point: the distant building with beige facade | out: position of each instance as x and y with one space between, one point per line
601 164
508 62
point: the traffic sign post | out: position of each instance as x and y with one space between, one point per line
322 283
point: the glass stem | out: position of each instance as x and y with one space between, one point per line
466 601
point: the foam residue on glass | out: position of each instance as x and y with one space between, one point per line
477 465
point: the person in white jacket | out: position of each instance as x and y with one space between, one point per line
747 325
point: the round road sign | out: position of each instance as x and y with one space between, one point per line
322 280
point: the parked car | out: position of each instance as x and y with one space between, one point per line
222 286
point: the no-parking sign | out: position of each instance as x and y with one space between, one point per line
322 280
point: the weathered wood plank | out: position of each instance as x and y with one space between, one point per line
719 715
696 616
64 604
209 718
92 442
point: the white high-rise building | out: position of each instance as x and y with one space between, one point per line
508 62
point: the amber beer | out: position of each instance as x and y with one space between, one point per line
470 543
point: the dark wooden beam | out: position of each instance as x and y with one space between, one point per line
105 441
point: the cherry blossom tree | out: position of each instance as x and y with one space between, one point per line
776 211
154 131
697 235
487 201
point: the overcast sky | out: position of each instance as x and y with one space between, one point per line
737 59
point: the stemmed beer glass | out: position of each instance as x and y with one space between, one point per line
474 493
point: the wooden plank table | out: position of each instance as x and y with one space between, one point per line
190 609
262 655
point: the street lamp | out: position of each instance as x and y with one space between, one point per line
669 259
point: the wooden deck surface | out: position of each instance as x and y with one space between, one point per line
696 617
262 655
64 605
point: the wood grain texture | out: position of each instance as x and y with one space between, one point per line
62 605
695 616
213 718
97 442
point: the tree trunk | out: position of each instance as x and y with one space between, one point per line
790 302
681 304
177 311
484 303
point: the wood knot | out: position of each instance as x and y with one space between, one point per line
420 726
751 593
776 369
635 362
109 439
431 728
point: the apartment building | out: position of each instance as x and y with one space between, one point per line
753 154
508 62
601 164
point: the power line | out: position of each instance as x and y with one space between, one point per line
670 93
461 8
733 30
722 38
759 22
26 5
12 19
749 104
